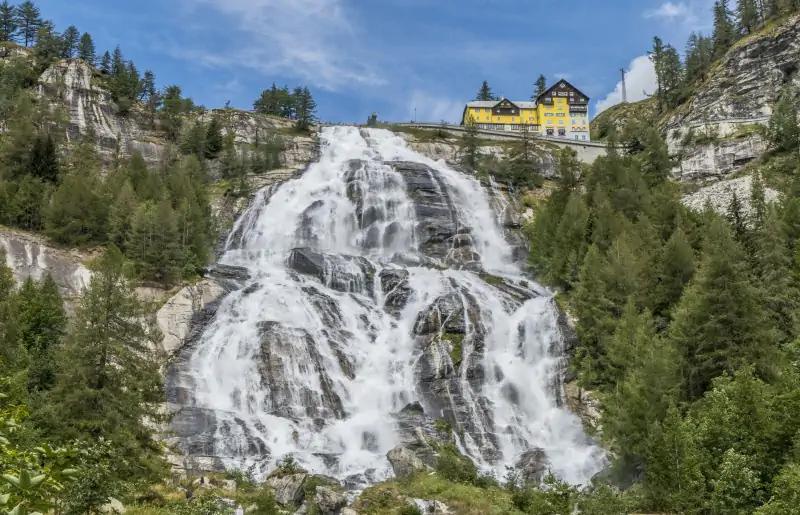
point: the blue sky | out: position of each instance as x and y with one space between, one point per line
387 56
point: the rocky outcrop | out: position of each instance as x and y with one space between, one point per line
329 501
740 91
288 489
30 255
584 404
715 161
532 466
83 90
404 462
719 195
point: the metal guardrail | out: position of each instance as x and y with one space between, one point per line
509 134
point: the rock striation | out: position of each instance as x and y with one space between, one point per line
29 255
719 196
739 92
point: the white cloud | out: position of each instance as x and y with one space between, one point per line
640 81
433 108
669 11
308 39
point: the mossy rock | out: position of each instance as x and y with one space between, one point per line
492 279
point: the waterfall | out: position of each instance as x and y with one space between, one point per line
378 278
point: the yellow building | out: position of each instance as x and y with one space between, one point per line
562 111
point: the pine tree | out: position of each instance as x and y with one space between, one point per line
724 31
49 45
747 11
758 202
657 57
42 319
121 214
773 263
70 40
783 130
719 323
214 141
148 86
656 163
485 93
595 313
649 384
738 220
29 19
117 64
673 479
8 22
105 63
468 146
569 243
44 159
86 49
540 87
674 270
109 383
194 140
306 110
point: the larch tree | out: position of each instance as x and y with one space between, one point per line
724 34
86 50
29 19
70 42
8 22
109 386
485 92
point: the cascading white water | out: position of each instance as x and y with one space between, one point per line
315 366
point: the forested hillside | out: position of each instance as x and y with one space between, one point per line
687 321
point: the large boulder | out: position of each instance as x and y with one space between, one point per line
532 466
288 489
403 461
329 501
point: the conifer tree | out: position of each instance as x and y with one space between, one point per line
44 159
117 63
194 140
8 22
148 86
724 31
674 269
109 383
214 141
673 478
719 323
539 88
748 13
86 49
121 214
569 243
105 63
29 20
468 146
485 92
595 312
783 130
305 110
650 377
738 220
49 45
657 57
42 319
778 282
70 40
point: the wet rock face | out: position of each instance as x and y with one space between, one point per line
437 223
349 274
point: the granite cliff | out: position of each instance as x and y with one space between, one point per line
719 129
